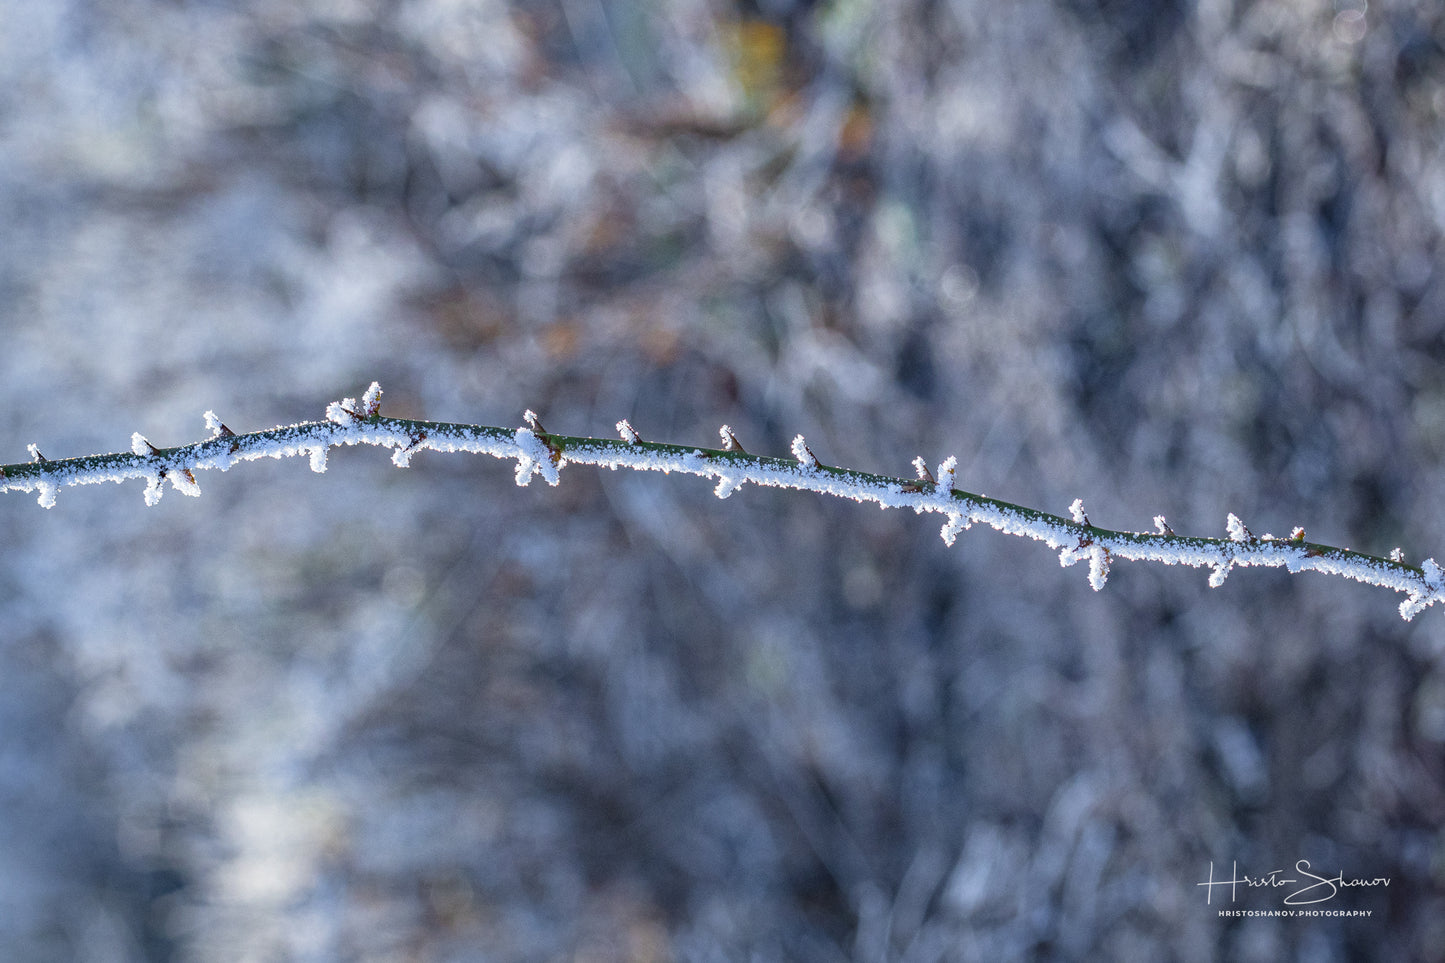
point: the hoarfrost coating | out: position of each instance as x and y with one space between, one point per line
537 452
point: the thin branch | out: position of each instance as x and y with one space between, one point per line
538 452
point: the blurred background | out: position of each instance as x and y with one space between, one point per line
1170 257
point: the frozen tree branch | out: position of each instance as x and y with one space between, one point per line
539 452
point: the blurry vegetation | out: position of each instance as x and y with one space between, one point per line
1179 258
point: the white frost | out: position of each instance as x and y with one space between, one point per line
318 459
629 435
371 401
534 458
803 453
1236 529
947 473
1422 588
956 523
1076 511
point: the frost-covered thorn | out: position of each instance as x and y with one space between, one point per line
628 433
1238 532
1397 554
803 453
1076 510
1099 560
154 491
957 522
1297 534
184 481
730 441
371 401
1162 526
217 427
140 446
946 473
921 467
35 456
533 422
318 459
401 458
343 412
1220 573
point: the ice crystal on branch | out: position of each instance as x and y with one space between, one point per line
803 453
627 432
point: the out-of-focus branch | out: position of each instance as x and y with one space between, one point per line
539 452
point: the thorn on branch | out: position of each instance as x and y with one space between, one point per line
1297 534
628 433
956 523
921 467
730 441
35 456
533 422
371 401
946 473
803 453
216 427
1238 532
401 458
1077 511
140 446
1162 526
1397 554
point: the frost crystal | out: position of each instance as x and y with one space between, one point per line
213 424
1076 511
35 454
318 459
1220 573
1162 526
629 435
729 440
342 412
956 523
920 468
803 453
1236 529
371 401
1098 567
140 446
153 491
726 485
946 473
534 458
184 482
401 458
47 493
